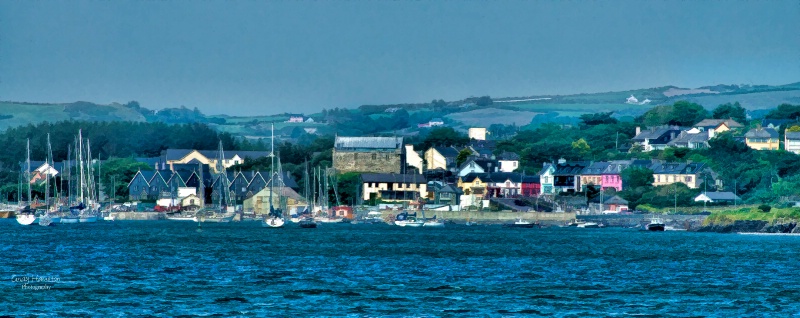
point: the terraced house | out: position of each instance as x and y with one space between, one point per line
689 173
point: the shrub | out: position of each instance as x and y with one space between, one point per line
764 208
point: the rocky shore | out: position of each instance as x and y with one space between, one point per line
751 227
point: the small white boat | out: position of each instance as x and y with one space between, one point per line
433 223
588 225
109 218
27 219
45 220
216 218
409 223
182 217
272 222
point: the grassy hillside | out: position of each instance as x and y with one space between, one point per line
17 114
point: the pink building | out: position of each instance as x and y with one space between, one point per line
612 175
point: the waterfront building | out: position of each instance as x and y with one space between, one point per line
368 154
393 186
546 178
717 197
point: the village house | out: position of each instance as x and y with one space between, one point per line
792 141
477 133
531 186
717 197
295 119
441 158
393 186
478 165
694 138
503 184
444 193
368 154
655 138
285 198
762 139
171 157
592 175
472 185
546 177
690 174
718 125
413 159
567 176
509 161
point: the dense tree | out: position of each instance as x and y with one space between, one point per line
462 156
734 111
785 111
681 113
597 119
443 136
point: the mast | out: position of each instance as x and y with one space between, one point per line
81 180
271 169
28 170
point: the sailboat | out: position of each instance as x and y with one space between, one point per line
275 218
87 215
47 218
27 216
225 213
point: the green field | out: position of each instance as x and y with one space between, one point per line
23 114
489 116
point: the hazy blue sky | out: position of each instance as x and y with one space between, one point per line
260 57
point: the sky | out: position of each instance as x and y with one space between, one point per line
267 57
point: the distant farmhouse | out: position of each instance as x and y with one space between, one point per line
368 154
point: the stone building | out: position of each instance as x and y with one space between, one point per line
368 154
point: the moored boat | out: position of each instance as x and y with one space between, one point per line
520 223
307 223
408 220
655 225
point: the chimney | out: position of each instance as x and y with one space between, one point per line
638 130
711 133
155 165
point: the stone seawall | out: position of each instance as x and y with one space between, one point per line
497 217
138 216
685 222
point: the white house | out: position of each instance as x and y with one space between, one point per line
547 178
508 161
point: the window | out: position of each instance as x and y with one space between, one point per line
689 179
515 163
191 201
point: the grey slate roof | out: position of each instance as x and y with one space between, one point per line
595 168
724 196
714 123
676 167
178 154
506 155
660 135
685 138
761 133
393 178
486 164
353 143
571 168
792 135
447 152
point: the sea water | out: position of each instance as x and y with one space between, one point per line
167 269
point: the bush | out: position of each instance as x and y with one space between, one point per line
764 208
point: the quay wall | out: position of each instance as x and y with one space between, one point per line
498 217
679 221
138 216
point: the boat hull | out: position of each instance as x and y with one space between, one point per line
433 224
273 223
27 219
308 224
522 226
404 223
87 219
655 227
69 220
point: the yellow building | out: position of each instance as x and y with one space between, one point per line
762 139
208 157
471 184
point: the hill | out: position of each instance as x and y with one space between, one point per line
377 119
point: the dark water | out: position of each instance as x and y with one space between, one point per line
171 269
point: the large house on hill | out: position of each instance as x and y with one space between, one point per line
393 186
655 138
171 157
368 154
762 139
